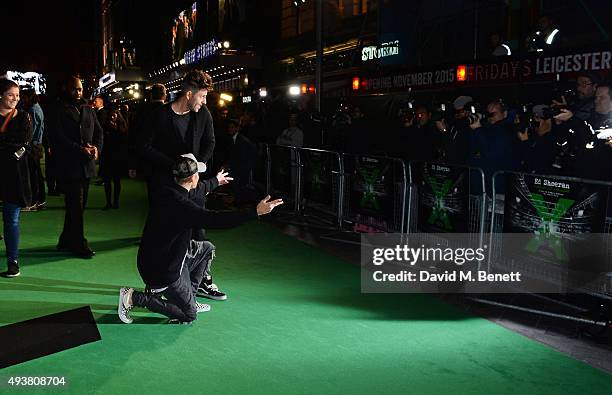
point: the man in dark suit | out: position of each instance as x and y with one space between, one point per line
177 128
76 141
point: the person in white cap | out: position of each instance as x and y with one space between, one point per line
170 269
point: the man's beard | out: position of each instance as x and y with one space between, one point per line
192 107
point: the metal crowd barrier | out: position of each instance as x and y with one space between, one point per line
321 186
260 179
446 199
548 206
284 176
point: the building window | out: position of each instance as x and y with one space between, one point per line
350 8
296 20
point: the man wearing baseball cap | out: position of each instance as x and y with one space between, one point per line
538 148
171 269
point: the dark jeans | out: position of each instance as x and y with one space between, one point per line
10 217
179 302
75 197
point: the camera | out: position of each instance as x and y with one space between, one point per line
550 112
439 113
474 114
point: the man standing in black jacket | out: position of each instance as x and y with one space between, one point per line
177 128
141 121
167 263
76 142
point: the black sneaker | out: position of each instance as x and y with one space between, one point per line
210 291
13 270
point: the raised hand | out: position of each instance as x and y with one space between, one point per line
222 177
266 205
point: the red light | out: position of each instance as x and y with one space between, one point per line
356 83
304 88
311 89
461 73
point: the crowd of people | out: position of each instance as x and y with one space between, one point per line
170 142
562 137
567 136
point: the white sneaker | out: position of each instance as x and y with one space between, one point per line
123 307
202 307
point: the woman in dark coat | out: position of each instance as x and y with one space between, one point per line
113 161
15 189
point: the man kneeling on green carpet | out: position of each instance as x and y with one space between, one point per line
170 266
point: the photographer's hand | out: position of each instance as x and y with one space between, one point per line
562 103
441 125
476 124
565 115
522 135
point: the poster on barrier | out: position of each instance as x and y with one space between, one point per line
444 198
555 222
372 191
317 171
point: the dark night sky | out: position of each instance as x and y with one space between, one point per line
51 37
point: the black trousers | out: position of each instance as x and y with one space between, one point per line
179 297
75 198
50 172
112 184
37 181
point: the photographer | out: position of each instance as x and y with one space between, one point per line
414 138
538 147
493 145
582 104
453 140
591 156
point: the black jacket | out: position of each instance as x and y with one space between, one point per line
493 148
168 231
198 196
538 154
14 174
71 127
160 143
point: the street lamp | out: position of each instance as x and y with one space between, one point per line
294 90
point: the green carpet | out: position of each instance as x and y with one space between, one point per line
295 322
